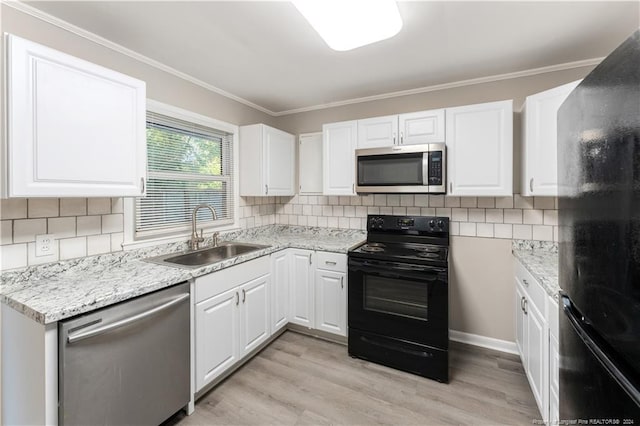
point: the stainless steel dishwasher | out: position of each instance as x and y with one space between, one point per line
128 363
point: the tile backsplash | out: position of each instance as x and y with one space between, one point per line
88 226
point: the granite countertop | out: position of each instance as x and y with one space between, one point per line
541 260
52 292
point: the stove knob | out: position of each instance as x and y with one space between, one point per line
432 223
441 224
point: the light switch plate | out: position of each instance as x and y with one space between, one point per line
44 245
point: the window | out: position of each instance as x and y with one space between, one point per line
190 162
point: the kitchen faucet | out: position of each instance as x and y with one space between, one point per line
195 241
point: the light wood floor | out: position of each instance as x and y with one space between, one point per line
300 380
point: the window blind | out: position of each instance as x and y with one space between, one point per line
188 164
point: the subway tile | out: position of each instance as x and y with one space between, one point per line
452 201
421 200
312 221
323 221
503 230
73 247
6 232
307 210
317 210
484 230
43 207
323 200
297 209
98 244
99 205
542 232
459 215
521 202
454 228
413 211
544 203
332 222
555 203
550 217
393 200
355 223
313 200
443 212
304 199
243 223
436 200
486 202
468 202
373 210
293 220
400 211
13 256
62 227
476 215
25 230
344 200
32 259
117 205
73 206
532 217
302 220
361 211
556 233
343 222
356 201
407 200
13 208
380 199
427 211
467 229
512 216
338 211
288 209
112 223
522 232
89 225
494 215
327 210
386 210
504 202
350 211
368 200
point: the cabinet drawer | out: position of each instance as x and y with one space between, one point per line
534 291
226 279
331 261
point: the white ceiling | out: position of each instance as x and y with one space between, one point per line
266 53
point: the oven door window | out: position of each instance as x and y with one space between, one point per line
392 169
398 297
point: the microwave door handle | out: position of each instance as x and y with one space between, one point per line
425 169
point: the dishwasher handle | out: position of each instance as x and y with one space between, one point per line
126 321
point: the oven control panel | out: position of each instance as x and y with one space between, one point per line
422 224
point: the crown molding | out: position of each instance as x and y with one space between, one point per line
37 13
43 16
436 87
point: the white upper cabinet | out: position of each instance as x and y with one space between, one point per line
338 162
310 163
267 161
404 129
480 149
540 140
378 132
421 127
74 129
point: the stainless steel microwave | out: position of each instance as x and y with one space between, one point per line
402 169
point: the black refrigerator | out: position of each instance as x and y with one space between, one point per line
599 243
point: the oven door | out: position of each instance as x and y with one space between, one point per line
399 300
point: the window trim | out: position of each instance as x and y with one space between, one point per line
130 241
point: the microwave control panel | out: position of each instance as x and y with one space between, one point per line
435 168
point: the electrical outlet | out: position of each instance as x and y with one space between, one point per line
44 245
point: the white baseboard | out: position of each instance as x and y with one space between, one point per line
484 342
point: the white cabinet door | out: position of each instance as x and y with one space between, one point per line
480 149
267 161
279 153
536 354
216 336
540 140
421 127
254 320
521 324
338 160
310 163
74 128
378 132
554 380
331 302
301 292
280 282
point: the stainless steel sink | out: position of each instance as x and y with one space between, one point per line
198 258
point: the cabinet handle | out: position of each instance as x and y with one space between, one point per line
266 189
526 283
244 295
329 262
522 304
353 188
237 299
310 262
525 307
342 282
401 138
450 187
142 185
531 184
394 138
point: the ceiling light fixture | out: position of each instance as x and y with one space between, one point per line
347 24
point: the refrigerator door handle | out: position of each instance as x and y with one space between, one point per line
599 354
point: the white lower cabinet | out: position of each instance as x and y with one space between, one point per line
537 341
254 313
331 302
280 283
301 289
